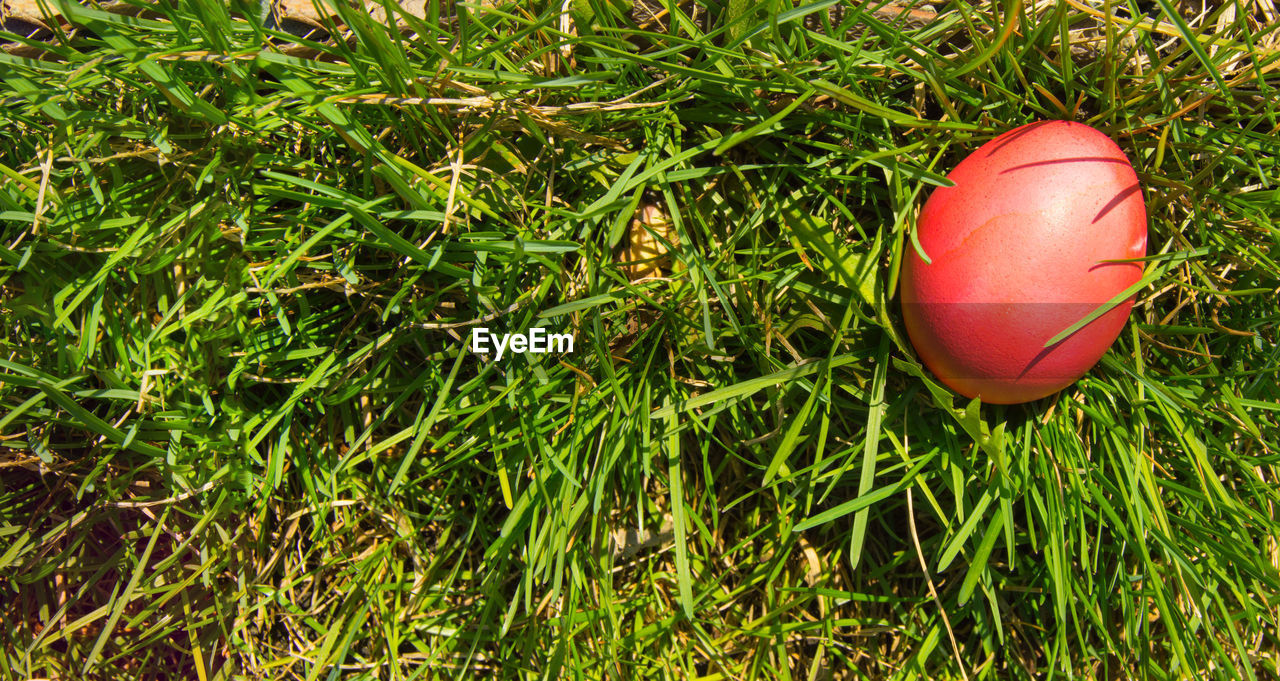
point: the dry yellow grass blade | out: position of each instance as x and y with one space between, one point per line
21 8
308 10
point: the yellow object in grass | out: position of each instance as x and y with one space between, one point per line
650 236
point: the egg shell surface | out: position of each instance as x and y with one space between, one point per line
1019 250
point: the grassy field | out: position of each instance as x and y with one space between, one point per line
242 434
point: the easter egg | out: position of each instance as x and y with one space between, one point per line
645 250
1021 248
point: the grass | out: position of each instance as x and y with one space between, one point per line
243 437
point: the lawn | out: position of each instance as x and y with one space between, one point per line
243 433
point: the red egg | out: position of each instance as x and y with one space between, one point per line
1020 249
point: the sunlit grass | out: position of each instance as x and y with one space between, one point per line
243 434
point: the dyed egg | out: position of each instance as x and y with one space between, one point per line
646 252
1020 250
